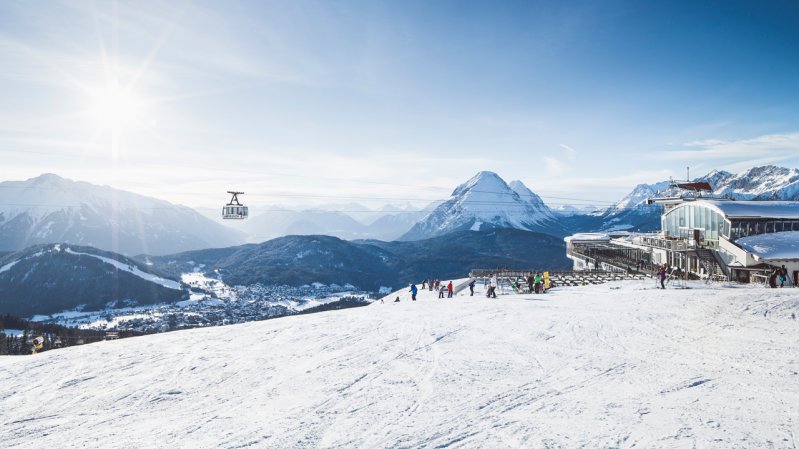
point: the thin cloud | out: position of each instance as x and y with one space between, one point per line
571 153
767 148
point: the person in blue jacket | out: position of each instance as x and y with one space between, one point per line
413 292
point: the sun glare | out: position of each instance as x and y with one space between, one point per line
115 107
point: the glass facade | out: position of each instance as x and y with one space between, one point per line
743 228
682 220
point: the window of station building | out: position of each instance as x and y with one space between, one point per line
714 225
703 221
735 230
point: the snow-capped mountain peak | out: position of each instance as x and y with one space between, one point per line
483 202
526 194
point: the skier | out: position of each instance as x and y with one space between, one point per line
530 282
441 291
449 290
38 342
397 300
413 292
471 287
662 276
424 284
492 290
537 281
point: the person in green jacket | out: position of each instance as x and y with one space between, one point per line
538 282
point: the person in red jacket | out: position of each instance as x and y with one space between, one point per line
449 289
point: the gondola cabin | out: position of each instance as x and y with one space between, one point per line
234 210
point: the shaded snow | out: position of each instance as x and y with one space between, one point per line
618 365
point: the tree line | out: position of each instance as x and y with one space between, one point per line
54 335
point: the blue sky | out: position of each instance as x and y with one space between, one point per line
303 102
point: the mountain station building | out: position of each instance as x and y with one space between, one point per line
722 239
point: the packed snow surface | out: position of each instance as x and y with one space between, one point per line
774 246
618 365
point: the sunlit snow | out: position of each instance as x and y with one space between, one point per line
617 365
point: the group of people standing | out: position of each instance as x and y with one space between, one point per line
535 283
434 284
778 275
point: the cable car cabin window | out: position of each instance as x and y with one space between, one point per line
234 212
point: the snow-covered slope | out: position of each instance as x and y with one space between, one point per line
486 202
51 209
47 279
619 365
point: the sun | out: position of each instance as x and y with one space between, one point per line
115 107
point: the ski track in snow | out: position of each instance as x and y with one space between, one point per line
168 283
612 366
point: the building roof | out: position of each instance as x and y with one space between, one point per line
774 246
695 186
588 237
756 209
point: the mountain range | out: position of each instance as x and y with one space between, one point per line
767 182
51 209
46 279
67 227
369 264
280 222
